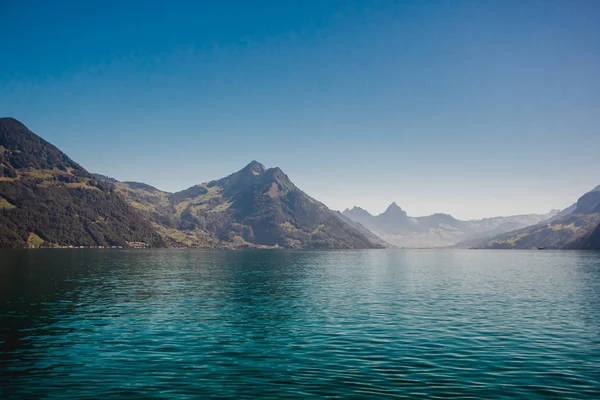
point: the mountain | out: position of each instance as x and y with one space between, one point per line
594 240
373 238
104 178
564 212
578 229
437 230
254 207
393 220
47 199
571 208
360 216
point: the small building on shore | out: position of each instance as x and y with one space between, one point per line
137 245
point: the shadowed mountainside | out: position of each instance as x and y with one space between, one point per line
46 199
254 207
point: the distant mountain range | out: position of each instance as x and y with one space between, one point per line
48 200
437 230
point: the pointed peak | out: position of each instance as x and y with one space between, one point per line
394 206
254 164
395 211
254 167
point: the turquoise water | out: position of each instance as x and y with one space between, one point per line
184 324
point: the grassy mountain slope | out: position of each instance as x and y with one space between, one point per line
579 229
46 199
254 207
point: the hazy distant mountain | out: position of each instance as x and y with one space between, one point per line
436 230
367 233
361 216
579 229
393 220
252 207
46 199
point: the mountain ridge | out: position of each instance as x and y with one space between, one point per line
255 206
436 230
47 199
577 227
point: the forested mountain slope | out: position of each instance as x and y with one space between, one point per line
47 199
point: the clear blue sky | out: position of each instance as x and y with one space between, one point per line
474 108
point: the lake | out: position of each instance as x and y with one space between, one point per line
187 324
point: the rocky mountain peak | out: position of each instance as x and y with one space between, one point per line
394 211
276 175
254 168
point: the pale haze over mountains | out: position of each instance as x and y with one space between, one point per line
437 230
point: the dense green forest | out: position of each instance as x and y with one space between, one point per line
46 199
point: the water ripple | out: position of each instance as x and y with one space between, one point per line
170 324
